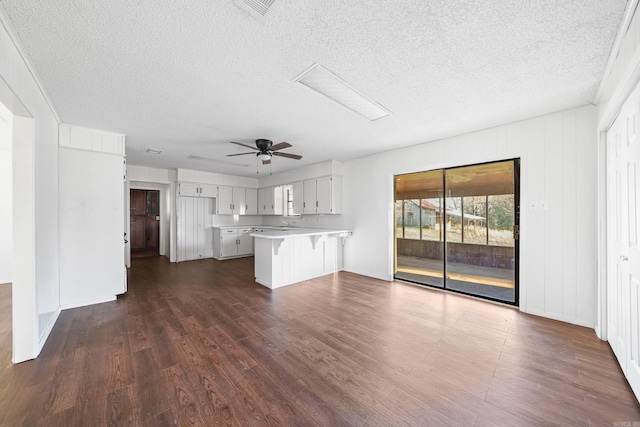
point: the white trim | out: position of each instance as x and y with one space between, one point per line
6 23
601 242
546 314
88 302
45 334
163 189
615 49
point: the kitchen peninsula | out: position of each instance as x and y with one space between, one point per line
287 256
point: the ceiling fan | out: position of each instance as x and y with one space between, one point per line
266 150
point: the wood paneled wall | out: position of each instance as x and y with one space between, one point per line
558 252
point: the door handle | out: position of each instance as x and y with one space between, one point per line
624 258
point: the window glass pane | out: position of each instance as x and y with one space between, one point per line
431 220
475 219
454 219
501 220
420 246
481 196
399 225
412 219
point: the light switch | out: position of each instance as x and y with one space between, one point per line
533 205
544 205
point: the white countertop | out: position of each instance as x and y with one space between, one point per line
296 232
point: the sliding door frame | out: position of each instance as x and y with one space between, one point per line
516 231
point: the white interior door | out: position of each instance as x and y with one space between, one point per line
629 251
623 284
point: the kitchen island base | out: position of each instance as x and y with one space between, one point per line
285 258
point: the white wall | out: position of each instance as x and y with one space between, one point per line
6 196
147 177
35 197
557 246
92 266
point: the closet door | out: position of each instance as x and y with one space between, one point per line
195 234
623 266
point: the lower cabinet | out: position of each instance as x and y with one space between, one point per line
232 242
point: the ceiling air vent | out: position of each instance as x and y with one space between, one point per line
258 8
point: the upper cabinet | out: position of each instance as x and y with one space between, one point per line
237 201
192 189
270 201
317 196
251 201
313 196
225 201
297 198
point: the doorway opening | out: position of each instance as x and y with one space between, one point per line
457 229
144 222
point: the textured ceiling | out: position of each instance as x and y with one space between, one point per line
188 76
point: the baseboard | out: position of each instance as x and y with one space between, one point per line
579 322
47 331
77 304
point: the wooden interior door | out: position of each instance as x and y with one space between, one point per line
144 221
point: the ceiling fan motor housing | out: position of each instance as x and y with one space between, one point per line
264 144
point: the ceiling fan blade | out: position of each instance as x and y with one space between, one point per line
244 145
266 162
239 154
287 155
280 146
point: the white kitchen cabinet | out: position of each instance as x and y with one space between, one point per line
251 201
192 189
245 242
232 242
237 201
319 196
228 243
270 201
309 200
225 200
298 198
329 195
208 190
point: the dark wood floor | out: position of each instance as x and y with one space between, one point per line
199 343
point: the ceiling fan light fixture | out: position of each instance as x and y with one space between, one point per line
264 156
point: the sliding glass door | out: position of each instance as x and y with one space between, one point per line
465 241
419 232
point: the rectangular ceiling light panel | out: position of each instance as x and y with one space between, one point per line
257 8
333 87
211 159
